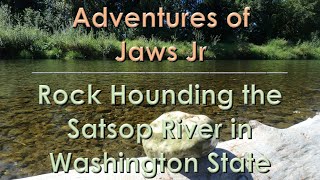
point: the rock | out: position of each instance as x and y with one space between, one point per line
180 148
102 109
293 152
70 109
65 128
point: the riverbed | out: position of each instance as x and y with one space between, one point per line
29 131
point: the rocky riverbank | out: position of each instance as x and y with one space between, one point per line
293 153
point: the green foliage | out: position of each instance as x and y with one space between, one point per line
290 19
270 19
278 30
54 53
5 16
20 38
25 54
73 55
274 49
281 49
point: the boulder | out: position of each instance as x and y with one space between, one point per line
187 146
293 152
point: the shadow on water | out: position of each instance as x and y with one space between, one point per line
204 164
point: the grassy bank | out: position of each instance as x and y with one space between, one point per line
21 42
42 30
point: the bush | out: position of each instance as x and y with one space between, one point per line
281 49
31 37
73 55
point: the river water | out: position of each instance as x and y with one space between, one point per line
29 131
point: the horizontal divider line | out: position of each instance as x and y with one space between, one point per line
218 73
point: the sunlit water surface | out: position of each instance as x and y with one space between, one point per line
29 131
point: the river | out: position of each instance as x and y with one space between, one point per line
29 131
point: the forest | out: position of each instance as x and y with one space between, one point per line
42 29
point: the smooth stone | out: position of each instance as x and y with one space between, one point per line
293 152
179 148
70 109
65 128
101 109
